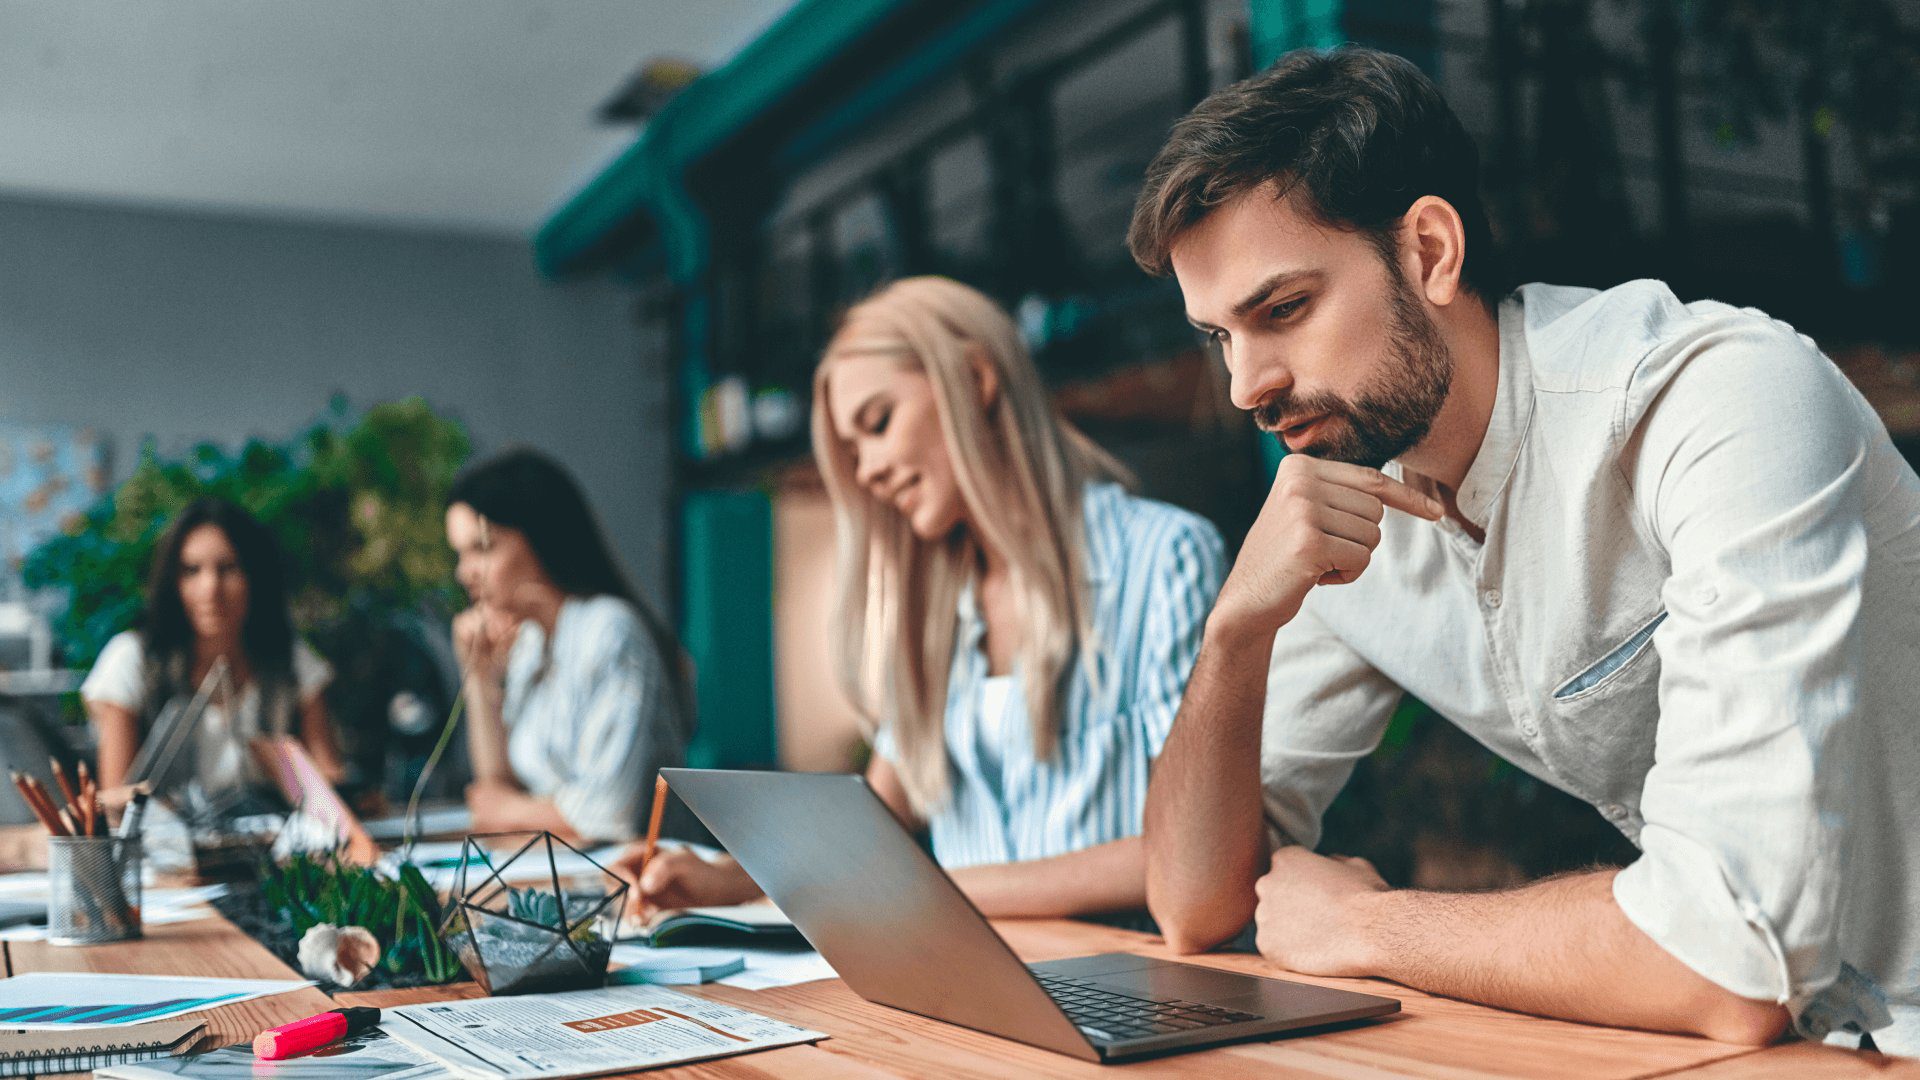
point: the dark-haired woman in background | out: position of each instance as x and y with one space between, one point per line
217 589
575 691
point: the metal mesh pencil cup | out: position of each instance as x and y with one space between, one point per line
93 889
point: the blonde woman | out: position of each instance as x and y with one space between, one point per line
1014 626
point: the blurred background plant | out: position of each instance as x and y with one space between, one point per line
356 502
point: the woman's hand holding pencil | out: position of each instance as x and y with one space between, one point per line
676 877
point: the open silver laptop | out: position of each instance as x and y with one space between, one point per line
897 929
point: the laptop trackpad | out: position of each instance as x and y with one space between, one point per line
1087 967
1156 980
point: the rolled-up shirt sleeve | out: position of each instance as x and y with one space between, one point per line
1749 467
624 739
1326 709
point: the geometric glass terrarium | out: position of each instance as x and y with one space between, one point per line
537 935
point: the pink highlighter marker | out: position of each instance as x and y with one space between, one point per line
304 1036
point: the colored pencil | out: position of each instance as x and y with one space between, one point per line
46 802
45 813
60 778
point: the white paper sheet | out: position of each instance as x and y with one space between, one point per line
584 1033
67 1000
433 821
157 908
28 884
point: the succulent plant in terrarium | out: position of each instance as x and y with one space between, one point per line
542 909
529 939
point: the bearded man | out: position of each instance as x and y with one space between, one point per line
1658 554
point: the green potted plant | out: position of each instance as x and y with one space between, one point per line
401 912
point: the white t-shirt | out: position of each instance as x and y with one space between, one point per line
119 677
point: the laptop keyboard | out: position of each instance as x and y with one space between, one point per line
1103 1014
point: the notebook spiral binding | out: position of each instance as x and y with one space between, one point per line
35 1052
75 1059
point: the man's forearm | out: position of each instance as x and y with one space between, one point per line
1206 839
1109 877
1560 947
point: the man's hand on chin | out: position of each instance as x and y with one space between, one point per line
1312 915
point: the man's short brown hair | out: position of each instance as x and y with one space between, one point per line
1354 135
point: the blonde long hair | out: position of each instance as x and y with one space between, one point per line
1021 469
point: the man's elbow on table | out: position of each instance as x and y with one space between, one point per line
1200 905
1197 924
1185 943
1724 1016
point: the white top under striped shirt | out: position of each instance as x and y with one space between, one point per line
1154 570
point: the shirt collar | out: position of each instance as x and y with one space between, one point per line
1507 427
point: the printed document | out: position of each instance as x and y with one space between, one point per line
583 1033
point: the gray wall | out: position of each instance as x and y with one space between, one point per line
190 328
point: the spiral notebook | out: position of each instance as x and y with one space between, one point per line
30 1053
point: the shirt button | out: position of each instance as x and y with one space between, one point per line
1529 729
1614 811
1706 594
1491 598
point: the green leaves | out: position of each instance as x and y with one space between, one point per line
534 906
403 912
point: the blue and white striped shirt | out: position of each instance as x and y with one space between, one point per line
1154 571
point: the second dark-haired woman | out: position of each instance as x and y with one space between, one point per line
575 689
217 589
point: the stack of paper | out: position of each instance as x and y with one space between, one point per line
675 967
763 967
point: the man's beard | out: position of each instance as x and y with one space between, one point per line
1395 410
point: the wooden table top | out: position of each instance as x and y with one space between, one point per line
1430 1037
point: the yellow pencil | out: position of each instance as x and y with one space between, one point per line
653 823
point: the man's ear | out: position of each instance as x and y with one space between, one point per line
986 377
1432 233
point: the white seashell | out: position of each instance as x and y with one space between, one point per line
339 954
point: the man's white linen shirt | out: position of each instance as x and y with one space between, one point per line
1697 607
